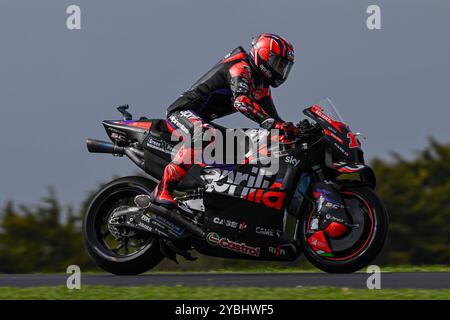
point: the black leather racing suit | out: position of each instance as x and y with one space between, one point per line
232 85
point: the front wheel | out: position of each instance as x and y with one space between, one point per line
359 246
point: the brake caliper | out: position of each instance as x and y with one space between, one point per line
329 220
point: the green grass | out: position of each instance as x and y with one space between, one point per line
181 292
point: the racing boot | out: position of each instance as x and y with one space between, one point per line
162 195
173 173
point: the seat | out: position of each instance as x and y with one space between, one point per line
159 129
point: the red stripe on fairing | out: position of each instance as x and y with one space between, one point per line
331 134
346 170
317 110
139 124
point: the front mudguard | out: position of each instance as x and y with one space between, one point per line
368 177
366 173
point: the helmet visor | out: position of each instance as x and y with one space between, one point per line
280 65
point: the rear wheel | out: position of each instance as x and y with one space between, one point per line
122 251
357 247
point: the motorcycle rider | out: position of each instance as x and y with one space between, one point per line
241 82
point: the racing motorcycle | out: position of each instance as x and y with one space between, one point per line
321 201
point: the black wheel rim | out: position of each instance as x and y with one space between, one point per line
127 247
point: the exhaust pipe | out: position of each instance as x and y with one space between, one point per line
98 146
134 155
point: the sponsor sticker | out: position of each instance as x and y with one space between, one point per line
256 186
268 232
230 223
292 160
215 240
277 251
159 145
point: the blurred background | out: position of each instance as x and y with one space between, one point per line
57 85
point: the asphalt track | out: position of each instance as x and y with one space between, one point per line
394 280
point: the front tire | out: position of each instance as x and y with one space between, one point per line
119 257
369 210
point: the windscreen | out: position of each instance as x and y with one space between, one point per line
330 109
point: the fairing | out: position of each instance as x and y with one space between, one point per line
343 148
126 131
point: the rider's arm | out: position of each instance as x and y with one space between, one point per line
241 86
269 106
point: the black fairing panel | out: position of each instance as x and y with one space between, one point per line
252 216
158 148
125 132
240 219
337 136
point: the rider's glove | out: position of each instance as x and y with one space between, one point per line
288 128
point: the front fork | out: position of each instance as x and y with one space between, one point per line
329 219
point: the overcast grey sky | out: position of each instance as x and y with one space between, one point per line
56 85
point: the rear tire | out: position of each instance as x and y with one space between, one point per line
114 194
370 247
